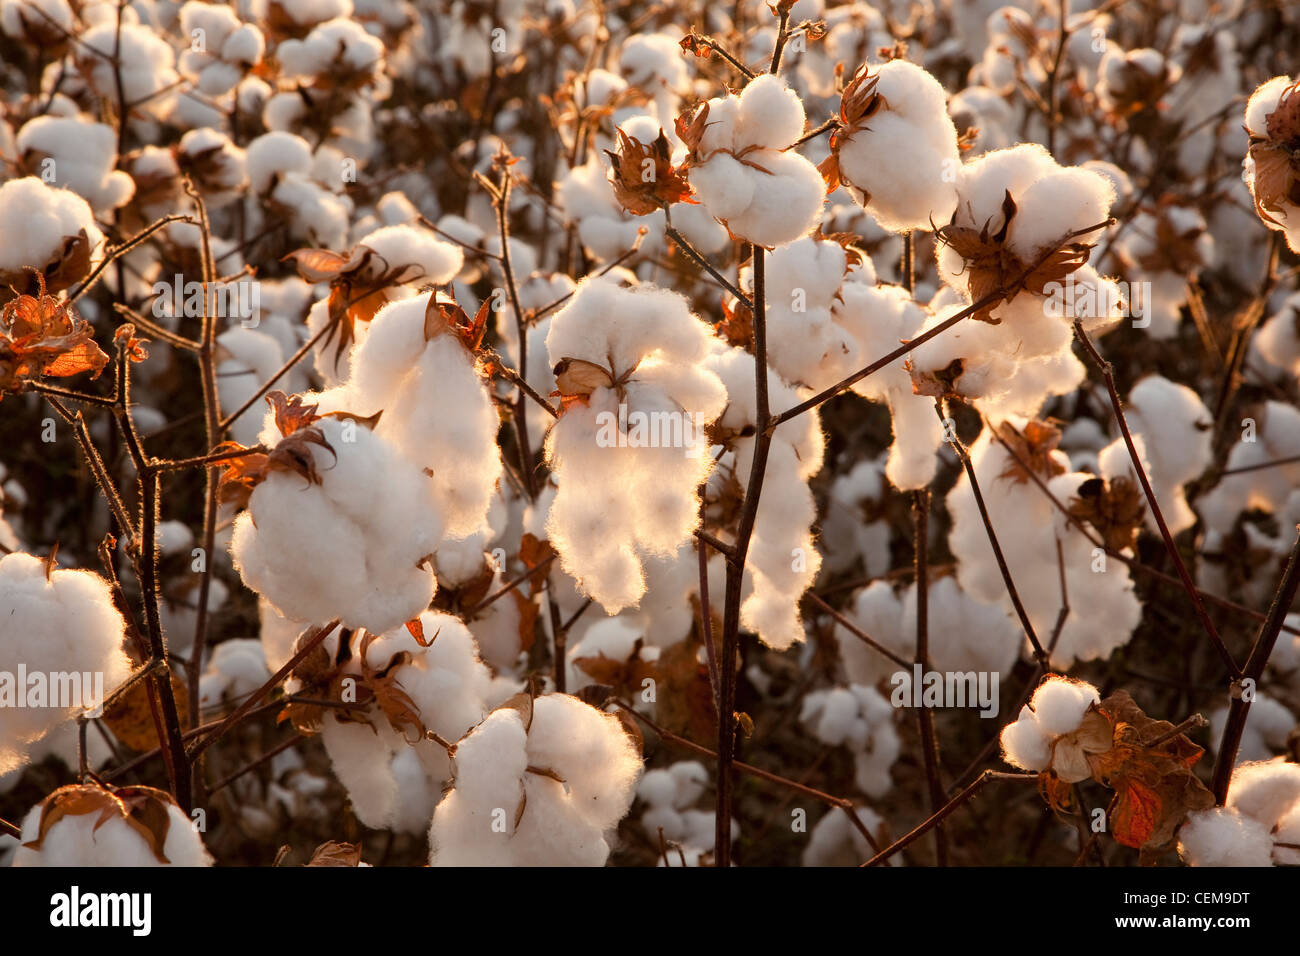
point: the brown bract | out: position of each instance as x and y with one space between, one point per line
576 379
995 271
1033 449
143 809
444 316
1142 760
643 176
42 337
294 419
1115 508
359 282
858 103
65 269
1276 155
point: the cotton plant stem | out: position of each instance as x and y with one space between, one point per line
213 432
242 711
735 574
946 811
277 375
1239 707
699 259
1040 653
1198 606
925 716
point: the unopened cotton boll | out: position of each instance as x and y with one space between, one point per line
55 623
501 814
628 451
899 153
340 546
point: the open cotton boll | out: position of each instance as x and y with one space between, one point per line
806 345
499 814
437 409
783 559
1270 160
899 151
1274 433
835 841
81 156
339 46
55 623
859 718
1222 836
613 638
315 214
1268 727
628 451
417 253
36 221
274 155
36 21
1278 339
1059 704
1175 428
236 669
361 756
340 547
147 74
742 174
1265 791
855 527
95 837
1025 744
878 318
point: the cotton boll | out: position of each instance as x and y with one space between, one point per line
771 114
1025 744
861 719
1174 425
274 155
625 493
1278 339
419 254
1222 836
362 758
236 669
93 839
835 841
1265 791
336 548
558 824
56 622
1268 725
147 66
82 157
36 220
1059 704
902 159
436 407
251 357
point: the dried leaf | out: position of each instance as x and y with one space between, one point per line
1114 508
333 853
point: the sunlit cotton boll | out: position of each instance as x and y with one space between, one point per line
628 452
501 813
744 179
342 547
55 622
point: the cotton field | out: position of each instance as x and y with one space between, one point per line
539 433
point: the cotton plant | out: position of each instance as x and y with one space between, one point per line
620 353
538 783
896 147
742 169
1259 825
859 718
56 622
